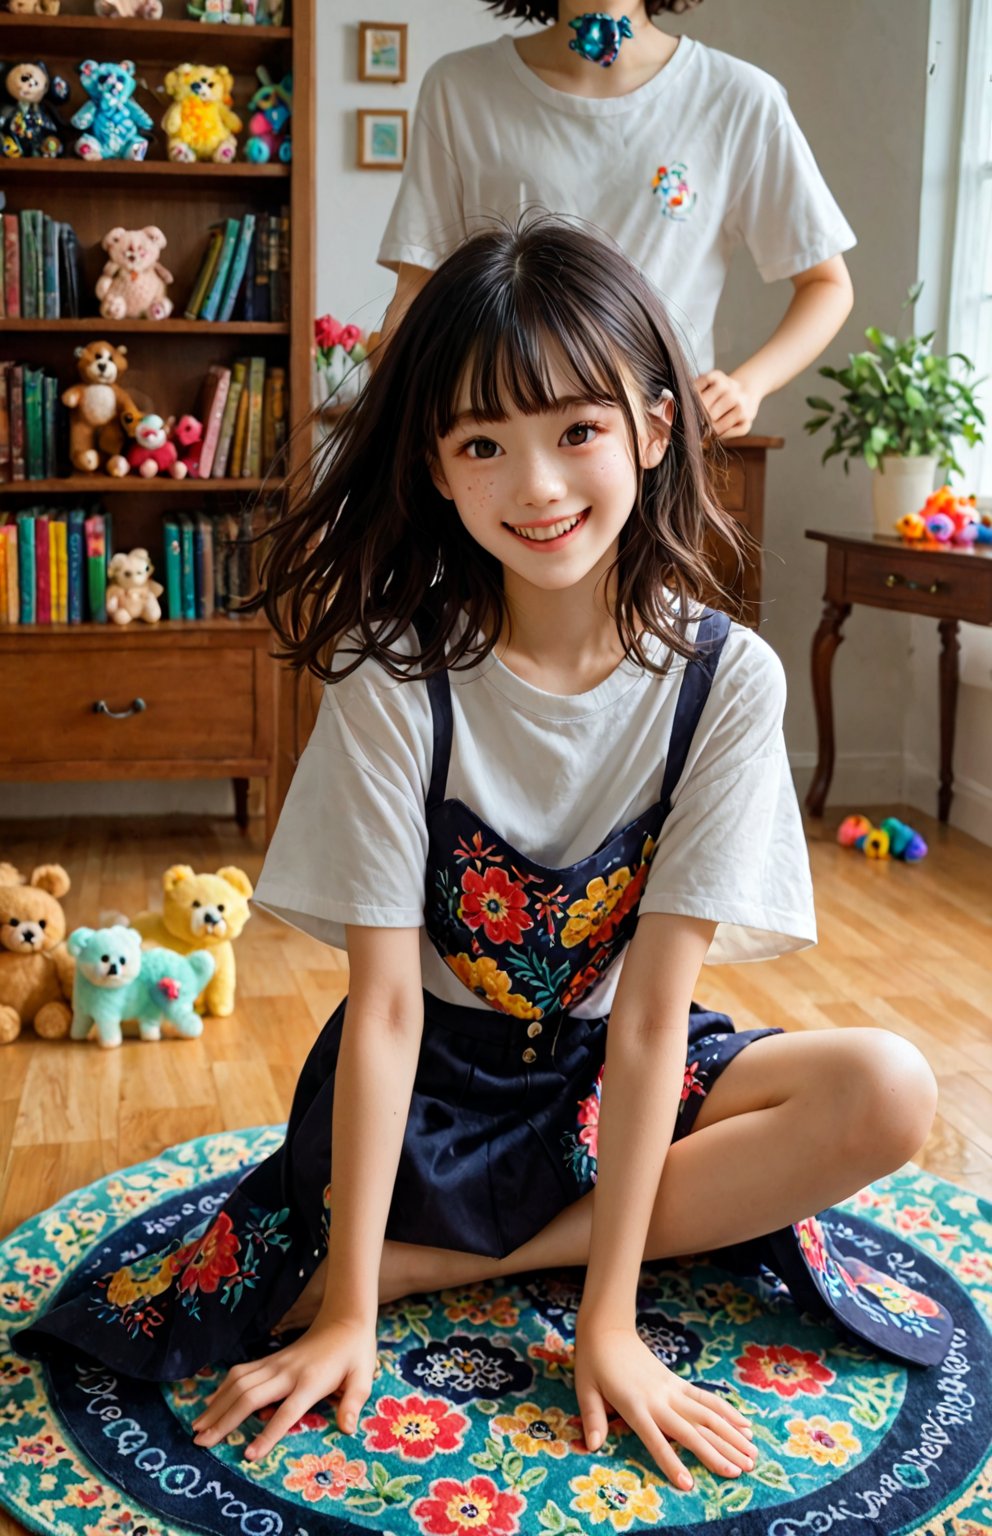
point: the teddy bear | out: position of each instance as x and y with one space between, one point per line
28 124
36 969
133 283
188 437
154 451
118 981
113 123
96 404
202 912
200 123
34 7
131 593
127 10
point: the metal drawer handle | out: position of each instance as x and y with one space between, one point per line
101 707
914 586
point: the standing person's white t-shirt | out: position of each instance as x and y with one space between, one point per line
703 157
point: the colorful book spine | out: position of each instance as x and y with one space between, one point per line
5 368
204 277
211 303
11 266
173 569
252 461
43 569
273 417
29 265
3 311
34 430
261 299
239 261
96 567
188 566
60 530
17 462
49 423
76 541
69 271
246 307
236 467
3 575
13 573
216 392
203 547
225 439
26 574
50 268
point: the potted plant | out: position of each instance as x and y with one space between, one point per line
902 409
338 351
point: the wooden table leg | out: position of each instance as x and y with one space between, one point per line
950 645
825 642
241 803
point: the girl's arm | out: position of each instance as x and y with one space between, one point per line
819 306
642 1084
374 1080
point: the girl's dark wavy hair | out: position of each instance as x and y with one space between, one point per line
547 10
368 540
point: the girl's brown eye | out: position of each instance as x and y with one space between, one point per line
484 448
577 442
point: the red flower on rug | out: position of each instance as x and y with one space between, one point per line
493 902
211 1258
414 1427
476 1506
781 1368
324 1477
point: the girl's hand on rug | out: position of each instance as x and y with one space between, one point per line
613 1366
332 1356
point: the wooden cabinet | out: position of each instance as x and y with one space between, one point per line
208 687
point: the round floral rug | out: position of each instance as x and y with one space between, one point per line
472 1427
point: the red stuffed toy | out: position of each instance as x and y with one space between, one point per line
188 433
154 452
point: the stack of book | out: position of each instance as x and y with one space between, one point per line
244 274
53 566
209 563
39 267
31 423
243 411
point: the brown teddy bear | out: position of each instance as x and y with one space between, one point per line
97 404
131 594
132 285
36 970
34 7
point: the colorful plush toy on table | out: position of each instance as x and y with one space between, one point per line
202 912
133 282
243 13
36 969
187 434
945 518
892 840
29 125
154 451
270 123
112 123
96 405
118 982
984 528
200 124
131 593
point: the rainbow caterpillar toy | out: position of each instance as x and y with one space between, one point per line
893 839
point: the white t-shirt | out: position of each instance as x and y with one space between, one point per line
715 134
554 776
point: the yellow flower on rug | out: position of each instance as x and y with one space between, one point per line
819 1440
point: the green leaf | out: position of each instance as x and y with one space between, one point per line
513 1465
531 1479
380 1477
486 1463
551 1518
773 1475
817 403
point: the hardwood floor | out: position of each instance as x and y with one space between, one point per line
907 948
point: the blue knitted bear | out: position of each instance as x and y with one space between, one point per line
110 118
116 980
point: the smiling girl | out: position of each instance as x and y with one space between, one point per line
546 783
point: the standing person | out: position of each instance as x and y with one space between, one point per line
559 746
677 151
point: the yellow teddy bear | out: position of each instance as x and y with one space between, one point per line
200 123
202 912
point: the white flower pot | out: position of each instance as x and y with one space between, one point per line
899 486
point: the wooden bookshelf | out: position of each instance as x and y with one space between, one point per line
210 687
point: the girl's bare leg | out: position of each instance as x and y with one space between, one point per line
795 1123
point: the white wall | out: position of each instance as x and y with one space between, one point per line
856 76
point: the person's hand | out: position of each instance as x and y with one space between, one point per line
332 1356
730 404
614 1367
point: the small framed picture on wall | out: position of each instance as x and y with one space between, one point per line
382 50
381 140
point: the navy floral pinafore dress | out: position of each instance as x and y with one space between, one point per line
502 1128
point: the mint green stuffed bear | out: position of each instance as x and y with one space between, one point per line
116 980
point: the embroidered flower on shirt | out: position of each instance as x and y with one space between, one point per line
677 198
485 979
587 916
493 902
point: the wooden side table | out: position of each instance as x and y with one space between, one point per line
937 581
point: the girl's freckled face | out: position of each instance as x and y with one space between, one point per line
556 490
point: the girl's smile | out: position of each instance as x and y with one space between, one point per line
549 534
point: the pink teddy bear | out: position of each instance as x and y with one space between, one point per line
134 281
